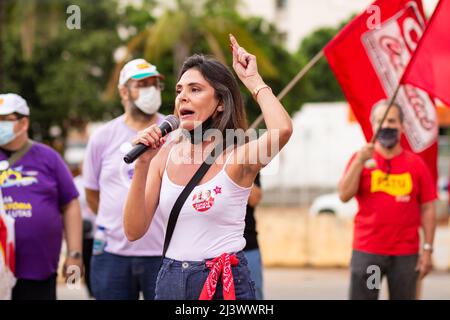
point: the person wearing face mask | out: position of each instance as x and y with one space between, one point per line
396 197
39 193
121 269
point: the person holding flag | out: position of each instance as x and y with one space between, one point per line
395 192
369 60
394 176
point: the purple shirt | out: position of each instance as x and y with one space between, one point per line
34 191
104 170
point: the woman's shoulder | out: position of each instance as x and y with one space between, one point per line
162 156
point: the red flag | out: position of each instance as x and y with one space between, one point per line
369 60
429 68
7 241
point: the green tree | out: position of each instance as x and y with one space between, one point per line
203 27
320 82
64 77
37 22
179 31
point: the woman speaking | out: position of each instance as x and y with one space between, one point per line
205 218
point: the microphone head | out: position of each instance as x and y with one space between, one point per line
173 121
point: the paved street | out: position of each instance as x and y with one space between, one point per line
305 284
324 284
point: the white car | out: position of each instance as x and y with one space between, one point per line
331 204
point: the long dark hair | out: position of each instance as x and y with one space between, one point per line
226 91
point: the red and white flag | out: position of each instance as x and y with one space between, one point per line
429 68
369 59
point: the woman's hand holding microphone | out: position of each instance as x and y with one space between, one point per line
151 137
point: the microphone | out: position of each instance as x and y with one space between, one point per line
169 124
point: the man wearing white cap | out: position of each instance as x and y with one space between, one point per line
39 193
121 269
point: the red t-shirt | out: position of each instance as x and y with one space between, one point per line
389 197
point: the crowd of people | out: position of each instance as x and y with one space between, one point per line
147 230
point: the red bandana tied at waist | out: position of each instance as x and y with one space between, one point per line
220 266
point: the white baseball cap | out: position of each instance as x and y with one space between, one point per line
137 69
11 102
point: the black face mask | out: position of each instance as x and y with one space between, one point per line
198 136
388 137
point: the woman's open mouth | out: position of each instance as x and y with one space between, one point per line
186 113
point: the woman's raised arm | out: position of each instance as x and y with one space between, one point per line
258 153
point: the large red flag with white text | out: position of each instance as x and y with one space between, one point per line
429 68
369 57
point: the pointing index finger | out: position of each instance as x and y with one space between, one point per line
234 42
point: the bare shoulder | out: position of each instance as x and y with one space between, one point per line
160 160
238 167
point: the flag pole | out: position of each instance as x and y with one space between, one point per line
391 101
291 84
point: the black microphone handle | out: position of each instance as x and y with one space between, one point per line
134 153
140 148
166 127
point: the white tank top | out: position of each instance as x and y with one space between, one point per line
212 219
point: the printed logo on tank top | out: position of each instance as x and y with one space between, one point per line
396 185
204 199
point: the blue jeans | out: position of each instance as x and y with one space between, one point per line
255 267
115 277
184 280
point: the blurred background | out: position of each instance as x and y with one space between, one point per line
68 75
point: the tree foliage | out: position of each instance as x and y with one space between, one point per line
66 75
320 82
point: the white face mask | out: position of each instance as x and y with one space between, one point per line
149 100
